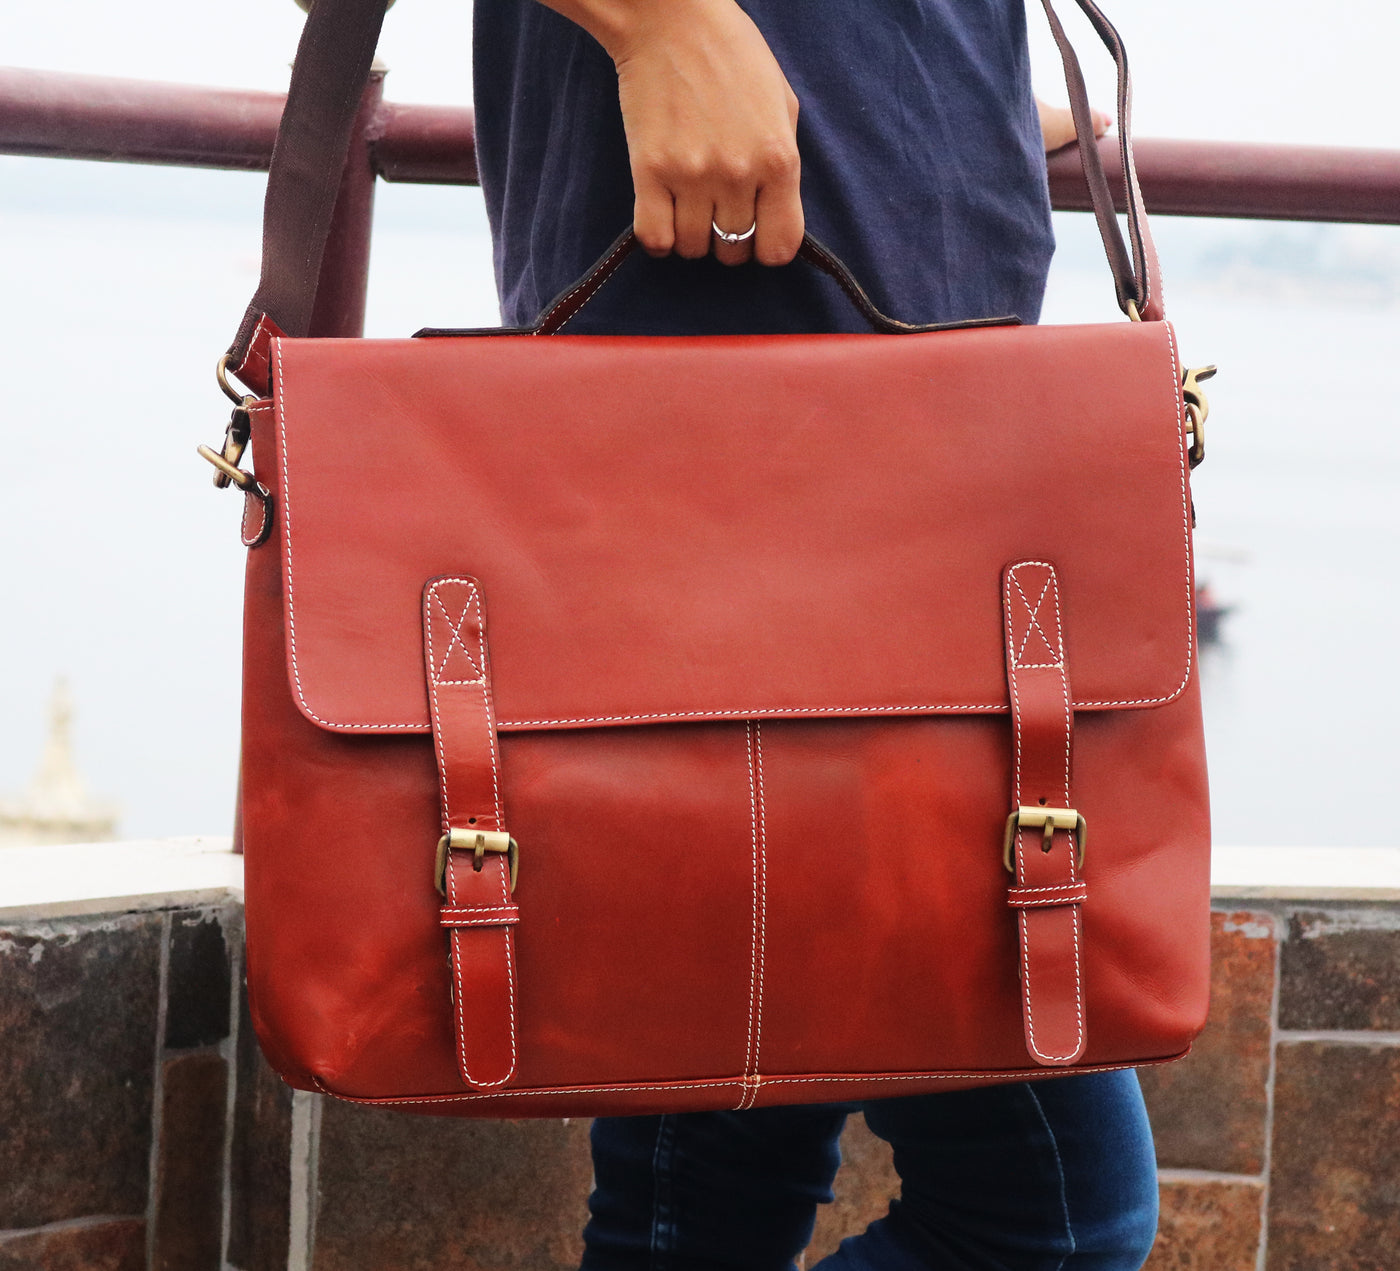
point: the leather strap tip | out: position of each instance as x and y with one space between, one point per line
1064 1062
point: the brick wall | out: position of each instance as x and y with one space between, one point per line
141 1128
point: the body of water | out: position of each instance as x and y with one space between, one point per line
123 569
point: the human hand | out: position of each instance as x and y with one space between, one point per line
711 126
1057 124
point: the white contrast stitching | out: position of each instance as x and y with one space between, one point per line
766 712
1051 902
491 743
484 915
246 537
1015 698
503 874
457 953
590 284
437 742
539 1090
458 957
1033 616
1057 650
473 601
763 897
1027 995
753 935
250 540
543 1092
284 443
457 641
753 712
1023 921
451 919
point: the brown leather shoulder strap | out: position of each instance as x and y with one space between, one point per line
328 77
333 65
1135 281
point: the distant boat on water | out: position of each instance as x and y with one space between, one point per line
1209 614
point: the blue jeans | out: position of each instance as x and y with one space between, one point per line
1054 1175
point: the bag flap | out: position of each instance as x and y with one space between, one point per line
722 527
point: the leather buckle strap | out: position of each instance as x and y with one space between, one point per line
477 860
1044 842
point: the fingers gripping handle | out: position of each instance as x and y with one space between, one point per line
333 65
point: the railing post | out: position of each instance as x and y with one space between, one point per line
344 280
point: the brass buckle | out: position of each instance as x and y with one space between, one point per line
1197 408
1049 820
478 842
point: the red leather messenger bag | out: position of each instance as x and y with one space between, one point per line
639 724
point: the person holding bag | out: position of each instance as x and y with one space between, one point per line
733 708
905 135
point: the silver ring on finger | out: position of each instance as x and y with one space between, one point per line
725 236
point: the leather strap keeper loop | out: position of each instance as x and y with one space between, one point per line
1047 897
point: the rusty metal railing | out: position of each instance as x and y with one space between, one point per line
56 115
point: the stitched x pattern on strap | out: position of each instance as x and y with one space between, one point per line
480 913
1034 644
1048 891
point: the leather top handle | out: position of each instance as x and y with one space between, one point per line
329 75
560 311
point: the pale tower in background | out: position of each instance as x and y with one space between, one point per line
56 808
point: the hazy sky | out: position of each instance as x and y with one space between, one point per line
123 568
1280 70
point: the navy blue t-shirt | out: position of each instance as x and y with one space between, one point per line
922 168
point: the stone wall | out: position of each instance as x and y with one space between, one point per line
141 1127
115 1090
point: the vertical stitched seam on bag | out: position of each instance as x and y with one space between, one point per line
763 902
753 935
